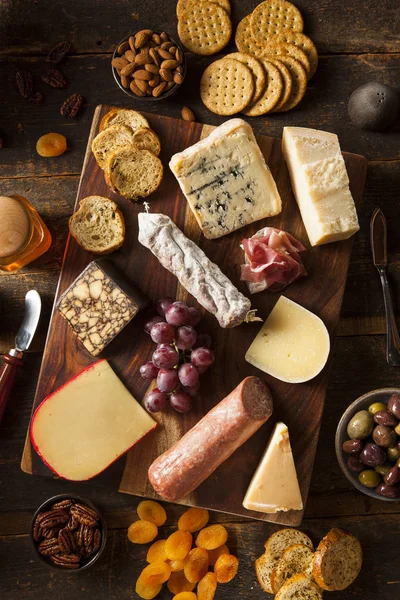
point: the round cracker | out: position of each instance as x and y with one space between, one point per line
244 40
279 48
299 82
271 94
301 41
286 81
273 16
257 70
181 5
204 28
226 86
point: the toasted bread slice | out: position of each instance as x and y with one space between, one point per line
337 560
147 139
112 138
299 587
98 226
295 559
133 173
123 116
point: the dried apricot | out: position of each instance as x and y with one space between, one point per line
207 586
156 552
212 537
148 510
193 519
155 573
178 583
216 553
196 565
51 144
142 532
226 568
178 545
147 591
185 596
176 565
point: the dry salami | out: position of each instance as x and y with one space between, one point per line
182 468
198 275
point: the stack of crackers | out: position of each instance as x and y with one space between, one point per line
204 27
271 69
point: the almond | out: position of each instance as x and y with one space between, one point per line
178 78
125 81
128 70
187 114
156 39
154 55
136 90
172 50
142 37
142 85
142 58
119 63
165 74
157 91
167 45
170 85
143 75
164 37
131 42
179 69
165 54
152 69
155 81
122 48
130 55
179 55
169 64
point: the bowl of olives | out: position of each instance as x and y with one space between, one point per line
368 444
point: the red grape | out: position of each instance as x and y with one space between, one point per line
167 380
148 370
185 337
162 333
194 316
155 401
165 357
192 391
177 314
202 358
203 341
188 375
162 305
151 322
180 401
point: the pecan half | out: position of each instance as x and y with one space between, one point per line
73 523
57 53
66 541
53 518
25 83
96 540
56 79
52 532
85 515
37 532
63 504
49 547
71 106
79 537
68 561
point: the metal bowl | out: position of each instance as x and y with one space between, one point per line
102 526
129 93
362 403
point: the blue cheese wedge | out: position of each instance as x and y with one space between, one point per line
226 180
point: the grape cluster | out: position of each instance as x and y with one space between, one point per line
180 357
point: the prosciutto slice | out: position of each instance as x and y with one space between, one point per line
272 260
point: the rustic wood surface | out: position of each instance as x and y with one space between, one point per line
359 42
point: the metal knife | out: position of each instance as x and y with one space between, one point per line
379 255
13 359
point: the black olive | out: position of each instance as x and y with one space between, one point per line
373 106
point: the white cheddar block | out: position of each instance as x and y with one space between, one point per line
320 184
86 424
226 181
274 486
293 344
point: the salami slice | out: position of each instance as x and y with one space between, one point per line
182 468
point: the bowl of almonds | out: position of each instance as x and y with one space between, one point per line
149 65
68 533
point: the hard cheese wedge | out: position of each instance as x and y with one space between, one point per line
320 184
274 486
85 425
226 181
292 345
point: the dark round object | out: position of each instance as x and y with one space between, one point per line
360 426
394 405
388 491
354 464
156 401
352 446
373 106
372 455
384 436
392 476
383 417
393 453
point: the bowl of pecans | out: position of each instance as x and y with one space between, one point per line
68 533
149 65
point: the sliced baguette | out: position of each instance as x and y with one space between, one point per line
147 139
295 559
337 560
112 138
98 225
123 116
133 173
299 587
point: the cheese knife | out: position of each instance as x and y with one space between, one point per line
379 255
13 359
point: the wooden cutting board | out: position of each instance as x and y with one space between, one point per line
300 406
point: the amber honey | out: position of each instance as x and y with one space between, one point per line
23 235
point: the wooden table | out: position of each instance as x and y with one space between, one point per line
357 42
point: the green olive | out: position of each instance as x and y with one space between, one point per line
361 425
376 407
369 478
393 453
383 469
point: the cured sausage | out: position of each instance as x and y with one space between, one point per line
216 436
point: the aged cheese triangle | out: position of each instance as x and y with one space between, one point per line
275 486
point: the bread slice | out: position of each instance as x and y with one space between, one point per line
115 136
123 116
98 225
275 546
295 559
337 560
133 173
147 139
299 587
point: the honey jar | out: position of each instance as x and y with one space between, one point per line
23 235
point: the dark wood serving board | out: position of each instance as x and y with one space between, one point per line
300 406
